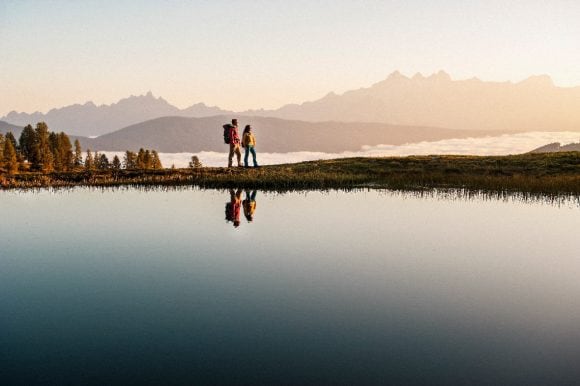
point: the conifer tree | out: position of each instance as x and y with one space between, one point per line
101 161
42 154
26 141
116 164
195 162
155 161
89 163
1 150
10 137
78 156
10 160
140 162
64 152
130 160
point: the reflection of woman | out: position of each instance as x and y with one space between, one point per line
249 142
249 205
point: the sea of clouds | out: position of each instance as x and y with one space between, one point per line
498 145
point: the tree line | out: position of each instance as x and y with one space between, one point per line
38 149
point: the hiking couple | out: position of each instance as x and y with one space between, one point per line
248 141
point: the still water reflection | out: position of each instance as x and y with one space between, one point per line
155 287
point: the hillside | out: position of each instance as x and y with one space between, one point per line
6 127
178 134
534 104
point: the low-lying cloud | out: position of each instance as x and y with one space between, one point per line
499 145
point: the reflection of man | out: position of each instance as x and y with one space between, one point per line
249 205
233 207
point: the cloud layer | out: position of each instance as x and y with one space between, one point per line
499 145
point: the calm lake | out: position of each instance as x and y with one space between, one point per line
156 287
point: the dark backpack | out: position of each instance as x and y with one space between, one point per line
227 129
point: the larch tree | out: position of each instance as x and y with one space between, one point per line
116 164
89 162
78 156
195 162
26 141
10 159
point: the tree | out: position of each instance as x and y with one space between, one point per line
101 161
42 154
1 150
78 156
195 162
10 160
140 162
147 161
27 140
10 137
64 151
155 161
89 162
116 164
130 160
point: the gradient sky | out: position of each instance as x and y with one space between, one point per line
252 54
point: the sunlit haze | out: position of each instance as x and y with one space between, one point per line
263 54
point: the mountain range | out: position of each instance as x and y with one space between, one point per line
91 120
420 101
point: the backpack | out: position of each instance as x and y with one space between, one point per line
227 138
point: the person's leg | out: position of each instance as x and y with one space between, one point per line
231 155
246 156
254 156
239 155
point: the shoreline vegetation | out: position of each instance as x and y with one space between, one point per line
542 174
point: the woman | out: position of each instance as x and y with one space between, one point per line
249 142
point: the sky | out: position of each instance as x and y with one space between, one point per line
266 53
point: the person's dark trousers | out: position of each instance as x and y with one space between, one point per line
250 149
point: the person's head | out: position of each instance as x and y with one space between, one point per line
247 129
234 122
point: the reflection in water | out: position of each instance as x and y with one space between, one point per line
249 205
558 200
365 287
233 207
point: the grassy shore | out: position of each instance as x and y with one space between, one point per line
555 173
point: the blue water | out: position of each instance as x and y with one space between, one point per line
156 287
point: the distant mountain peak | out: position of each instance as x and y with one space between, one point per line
538 80
395 75
441 76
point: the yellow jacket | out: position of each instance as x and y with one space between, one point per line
249 140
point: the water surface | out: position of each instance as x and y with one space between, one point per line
156 287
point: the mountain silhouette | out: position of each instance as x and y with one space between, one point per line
534 104
179 134
437 100
91 120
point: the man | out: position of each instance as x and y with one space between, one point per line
234 144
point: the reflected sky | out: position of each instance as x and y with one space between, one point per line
320 287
